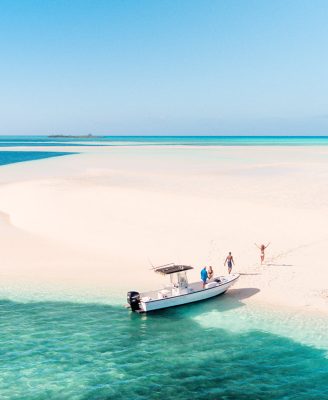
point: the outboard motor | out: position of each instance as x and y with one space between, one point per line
133 299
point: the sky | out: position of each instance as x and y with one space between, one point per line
164 67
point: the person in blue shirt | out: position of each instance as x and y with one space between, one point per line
204 276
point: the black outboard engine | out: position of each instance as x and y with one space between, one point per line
133 299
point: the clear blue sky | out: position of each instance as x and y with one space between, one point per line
164 67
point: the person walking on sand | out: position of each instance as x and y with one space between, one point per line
203 276
262 250
229 260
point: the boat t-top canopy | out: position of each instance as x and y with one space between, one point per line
171 268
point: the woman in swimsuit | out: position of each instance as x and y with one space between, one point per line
210 272
262 248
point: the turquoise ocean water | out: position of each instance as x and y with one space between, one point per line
14 141
61 350
218 349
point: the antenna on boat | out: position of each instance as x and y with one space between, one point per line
152 266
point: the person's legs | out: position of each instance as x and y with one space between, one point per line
229 266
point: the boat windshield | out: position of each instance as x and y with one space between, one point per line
179 279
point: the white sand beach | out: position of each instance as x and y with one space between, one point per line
94 222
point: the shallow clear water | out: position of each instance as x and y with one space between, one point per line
62 350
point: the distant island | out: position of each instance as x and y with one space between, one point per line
89 136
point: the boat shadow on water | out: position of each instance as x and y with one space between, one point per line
230 300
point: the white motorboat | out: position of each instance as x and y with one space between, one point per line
179 291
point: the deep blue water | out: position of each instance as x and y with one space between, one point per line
9 157
54 350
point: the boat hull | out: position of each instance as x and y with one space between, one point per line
199 295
